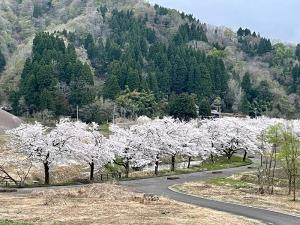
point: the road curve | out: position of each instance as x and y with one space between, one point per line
160 186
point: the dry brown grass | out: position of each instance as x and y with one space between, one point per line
248 195
106 204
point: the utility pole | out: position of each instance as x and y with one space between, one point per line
77 112
114 113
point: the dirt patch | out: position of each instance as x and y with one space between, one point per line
106 204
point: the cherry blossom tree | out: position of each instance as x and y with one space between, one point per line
32 141
128 148
14 167
228 135
86 144
42 144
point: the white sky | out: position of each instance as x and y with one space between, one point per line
275 19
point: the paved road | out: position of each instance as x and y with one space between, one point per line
160 186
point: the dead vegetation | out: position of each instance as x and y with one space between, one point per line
236 190
106 204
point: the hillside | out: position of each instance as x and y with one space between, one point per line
8 121
259 77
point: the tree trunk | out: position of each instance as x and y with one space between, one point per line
245 155
47 175
290 184
7 176
229 155
274 167
127 169
156 168
173 163
261 160
189 162
92 168
294 187
212 158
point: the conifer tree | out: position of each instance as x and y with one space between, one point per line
2 62
204 108
183 107
297 52
111 87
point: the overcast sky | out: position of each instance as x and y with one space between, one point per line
275 19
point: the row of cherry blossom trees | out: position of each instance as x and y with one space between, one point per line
142 144
67 142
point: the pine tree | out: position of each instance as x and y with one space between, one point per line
183 107
240 32
51 67
245 105
152 82
103 10
297 52
264 46
133 80
2 62
205 85
246 83
204 108
179 75
111 88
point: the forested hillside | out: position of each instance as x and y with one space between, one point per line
57 55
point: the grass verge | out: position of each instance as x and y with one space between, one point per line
10 222
219 164
242 189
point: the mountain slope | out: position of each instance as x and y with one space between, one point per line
20 20
8 121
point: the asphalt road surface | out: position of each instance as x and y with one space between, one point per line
160 186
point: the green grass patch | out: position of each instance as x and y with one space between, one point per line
224 163
10 222
229 182
105 129
219 164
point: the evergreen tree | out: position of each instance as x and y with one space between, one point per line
297 52
37 11
53 78
246 83
103 10
183 107
204 108
240 32
138 103
296 78
188 33
2 62
152 83
82 92
133 80
264 46
111 88
179 75
245 105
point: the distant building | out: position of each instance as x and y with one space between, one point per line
215 114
